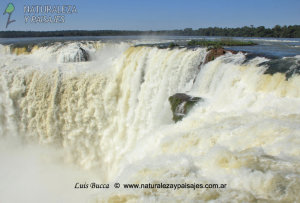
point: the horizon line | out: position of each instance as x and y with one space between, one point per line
251 26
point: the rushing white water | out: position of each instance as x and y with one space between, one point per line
111 115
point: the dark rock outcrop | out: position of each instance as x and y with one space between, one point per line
181 104
83 56
73 54
216 52
288 66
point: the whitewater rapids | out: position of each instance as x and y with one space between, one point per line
111 115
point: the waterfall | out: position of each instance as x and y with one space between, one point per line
111 114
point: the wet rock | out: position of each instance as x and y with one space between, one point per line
73 54
181 104
216 52
287 65
83 55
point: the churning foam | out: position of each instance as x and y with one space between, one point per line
112 115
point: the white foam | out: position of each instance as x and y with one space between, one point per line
112 115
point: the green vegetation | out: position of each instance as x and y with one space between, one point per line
292 31
220 43
172 45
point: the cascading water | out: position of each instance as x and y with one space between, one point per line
112 115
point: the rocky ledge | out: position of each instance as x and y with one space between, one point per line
73 53
181 104
216 52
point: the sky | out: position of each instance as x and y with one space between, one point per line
156 14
